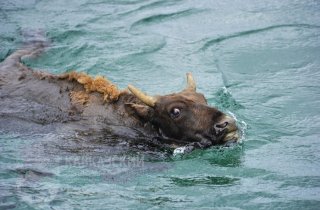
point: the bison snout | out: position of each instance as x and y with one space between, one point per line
227 124
227 129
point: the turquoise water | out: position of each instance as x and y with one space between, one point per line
258 60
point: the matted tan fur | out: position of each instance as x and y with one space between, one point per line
98 84
79 97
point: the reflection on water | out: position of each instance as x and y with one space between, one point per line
258 61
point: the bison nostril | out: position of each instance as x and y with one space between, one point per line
221 125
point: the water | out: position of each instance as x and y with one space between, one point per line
258 60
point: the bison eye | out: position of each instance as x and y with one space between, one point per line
175 112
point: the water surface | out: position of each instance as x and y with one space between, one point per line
258 60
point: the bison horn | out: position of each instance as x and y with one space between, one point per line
191 83
148 100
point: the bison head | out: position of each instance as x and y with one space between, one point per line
185 116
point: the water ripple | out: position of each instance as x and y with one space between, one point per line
208 180
163 17
67 35
33 172
152 48
224 98
152 5
254 31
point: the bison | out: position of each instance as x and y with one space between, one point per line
76 101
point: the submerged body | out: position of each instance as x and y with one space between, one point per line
76 101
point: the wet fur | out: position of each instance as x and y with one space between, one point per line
76 101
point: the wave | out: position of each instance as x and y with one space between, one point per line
163 17
207 180
115 2
68 34
152 5
254 31
154 48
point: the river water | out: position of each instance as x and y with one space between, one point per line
258 60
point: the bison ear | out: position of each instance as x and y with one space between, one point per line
143 112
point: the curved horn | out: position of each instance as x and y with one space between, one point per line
148 100
191 83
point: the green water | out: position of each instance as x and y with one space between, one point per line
258 60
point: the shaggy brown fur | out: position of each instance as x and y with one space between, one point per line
79 97
98 84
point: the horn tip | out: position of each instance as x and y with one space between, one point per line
130 87
191 82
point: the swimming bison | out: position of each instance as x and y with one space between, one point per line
75 101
